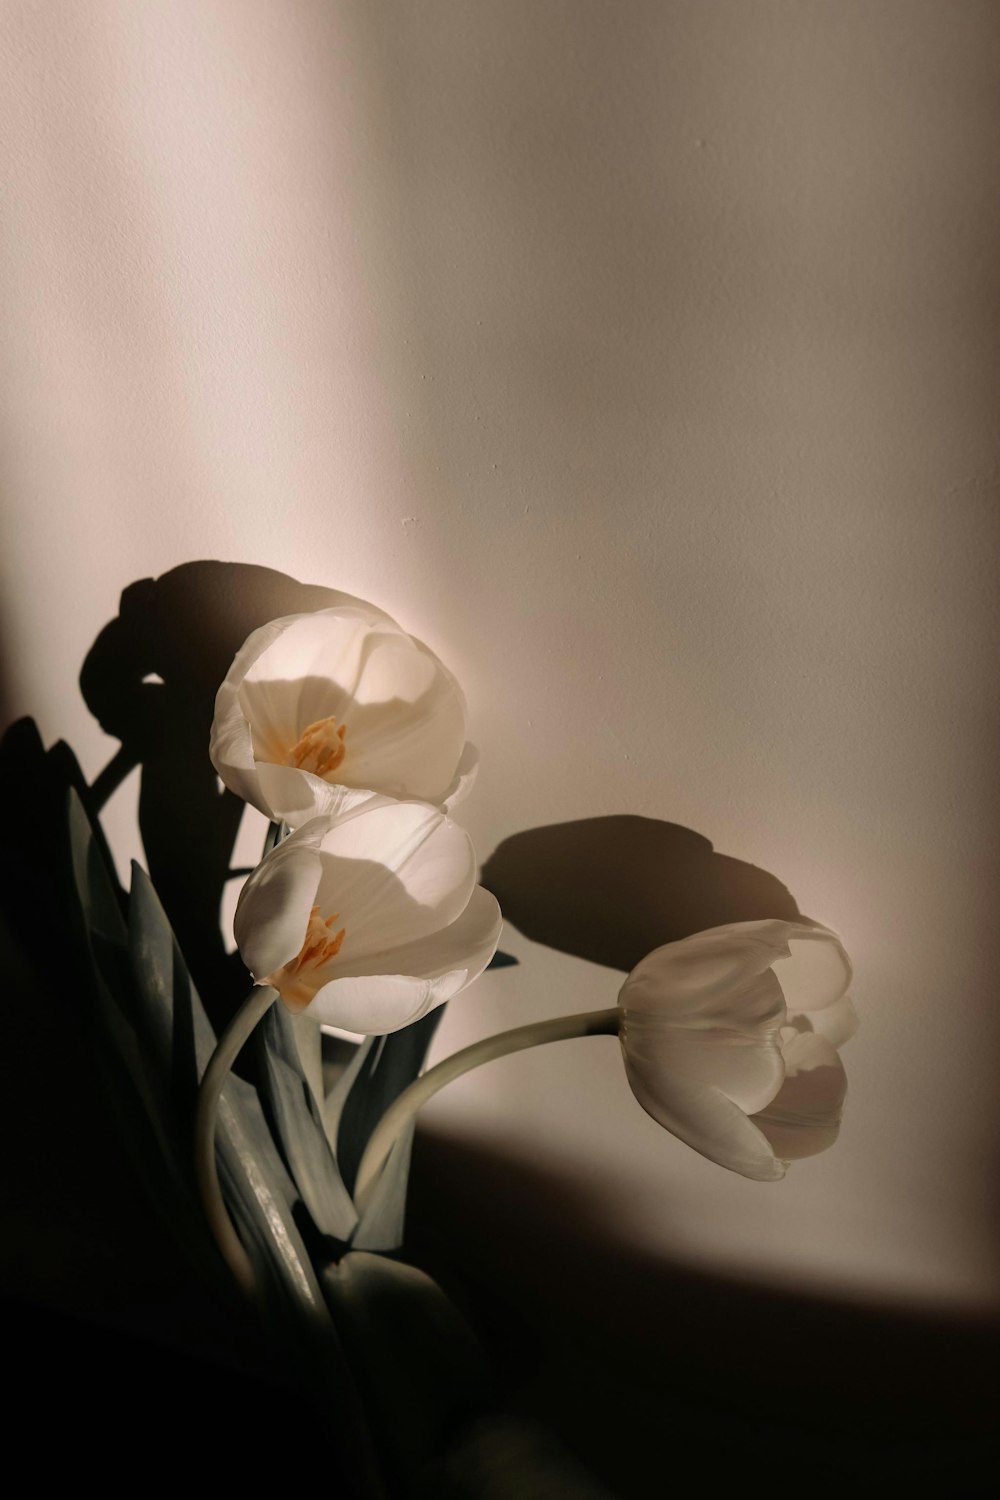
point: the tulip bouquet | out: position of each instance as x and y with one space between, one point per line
286 1187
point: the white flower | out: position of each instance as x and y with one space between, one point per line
370 920
319 711
730 1040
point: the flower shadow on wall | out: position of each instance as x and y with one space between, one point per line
613 889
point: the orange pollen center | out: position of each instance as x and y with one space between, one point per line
320 944
320 748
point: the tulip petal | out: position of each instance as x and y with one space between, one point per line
804 1118
272 711
719 1031
373 1003
422 975
272 914
406 731
465 777
697 970
231 749
837 1022
817 970
463 949
324 644
396 872
705 1119
306 672
296 797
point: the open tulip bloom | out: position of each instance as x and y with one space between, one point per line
319 711
730 1041
368 920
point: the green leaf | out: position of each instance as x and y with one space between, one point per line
309 1046
387 1068
177 1034
178 1043
380 1226
39 898
94 882
288 1099
155 1040
260 1195
130 1081
419 1365
333 1104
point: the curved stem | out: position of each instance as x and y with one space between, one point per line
399 1114
228 1048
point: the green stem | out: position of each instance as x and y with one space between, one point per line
228 1048
399 1114
274 835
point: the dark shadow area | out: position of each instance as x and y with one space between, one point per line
649 1370
5 678
185 628
81 1237
119 1406
613 889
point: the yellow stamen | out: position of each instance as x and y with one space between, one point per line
319 748
295 980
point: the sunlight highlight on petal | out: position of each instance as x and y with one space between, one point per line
395 923
341 698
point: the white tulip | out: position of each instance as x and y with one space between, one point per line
370 920
730 1040
320 711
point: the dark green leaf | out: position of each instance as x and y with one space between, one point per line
260 1194
419 1365
380 1226
94 882
177 1035
388 1067
130 1079
156 1040
333 1104
298 1123
178 1042
256 1187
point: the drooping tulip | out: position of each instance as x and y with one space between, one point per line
320 711
730 1040
368 920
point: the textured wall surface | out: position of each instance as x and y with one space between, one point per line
640 358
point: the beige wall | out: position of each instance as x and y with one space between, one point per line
641 357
